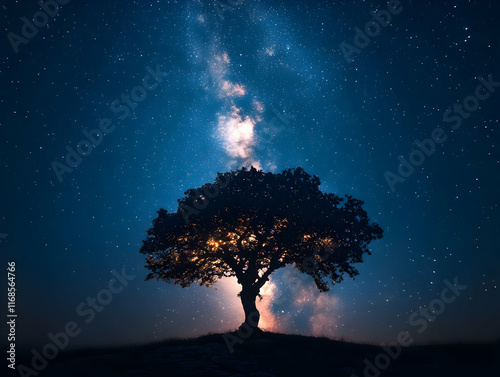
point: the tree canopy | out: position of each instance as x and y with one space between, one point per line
249 223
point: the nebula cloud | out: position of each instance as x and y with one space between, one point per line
290 295
235 129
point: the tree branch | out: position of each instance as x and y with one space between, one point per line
273 266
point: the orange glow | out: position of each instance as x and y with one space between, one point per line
214 244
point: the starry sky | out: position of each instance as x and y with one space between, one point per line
181 90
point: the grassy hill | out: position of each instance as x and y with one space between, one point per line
271 354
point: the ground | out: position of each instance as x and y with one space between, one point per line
270 354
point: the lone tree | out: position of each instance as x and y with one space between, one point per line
249 223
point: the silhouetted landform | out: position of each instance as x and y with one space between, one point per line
270 354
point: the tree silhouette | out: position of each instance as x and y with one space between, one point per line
250 223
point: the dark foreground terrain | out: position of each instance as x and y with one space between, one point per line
269 354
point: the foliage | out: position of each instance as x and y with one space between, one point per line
251 223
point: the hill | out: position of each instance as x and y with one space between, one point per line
270 354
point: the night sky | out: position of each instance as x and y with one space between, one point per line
185 89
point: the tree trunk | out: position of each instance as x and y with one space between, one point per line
252 315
